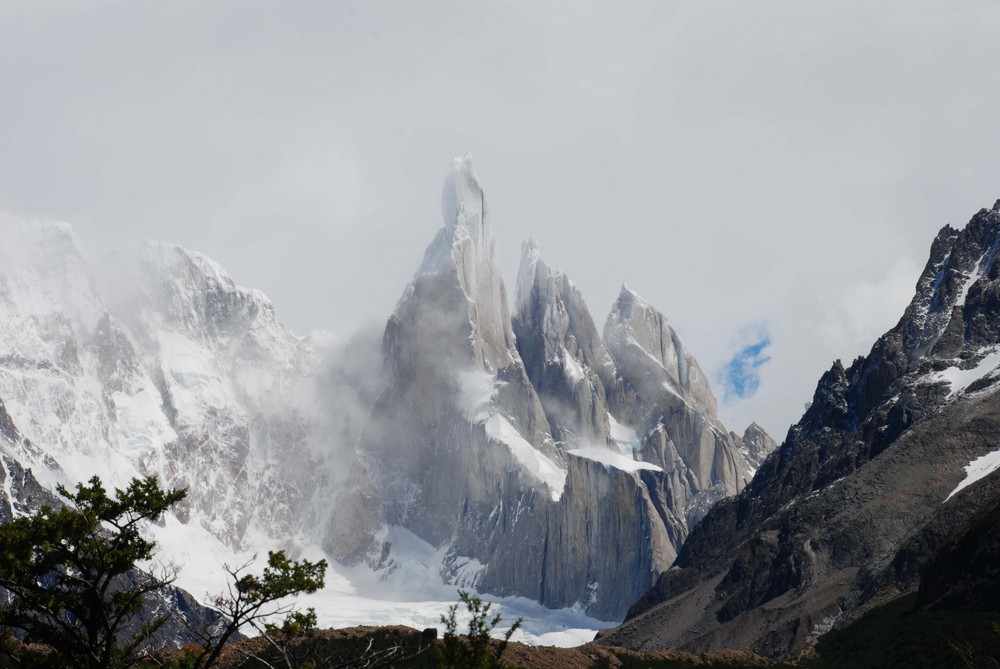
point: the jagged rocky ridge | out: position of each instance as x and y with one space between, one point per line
896 450
543 460
539 456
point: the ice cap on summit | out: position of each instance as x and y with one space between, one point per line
462 202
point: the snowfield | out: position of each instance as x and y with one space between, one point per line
412 594
977 470
613 459
960 379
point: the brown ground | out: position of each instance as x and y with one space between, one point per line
588 656
591 655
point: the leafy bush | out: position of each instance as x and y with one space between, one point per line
74 587
476 649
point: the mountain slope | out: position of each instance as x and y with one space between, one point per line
864 489
950 621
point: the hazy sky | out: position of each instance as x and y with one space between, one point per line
768 174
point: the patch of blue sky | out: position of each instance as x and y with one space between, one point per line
741 375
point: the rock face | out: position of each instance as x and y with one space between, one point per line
563 353
20 493
498 441
448 451
661 391
865 489
757 444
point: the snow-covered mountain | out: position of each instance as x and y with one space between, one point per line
522 455
159 365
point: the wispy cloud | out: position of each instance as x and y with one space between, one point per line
741 375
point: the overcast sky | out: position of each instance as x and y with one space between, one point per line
768 174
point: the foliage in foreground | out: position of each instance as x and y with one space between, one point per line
69 572
377 648
476 649
252 600
75 591
297 644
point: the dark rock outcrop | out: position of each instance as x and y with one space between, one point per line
864 490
